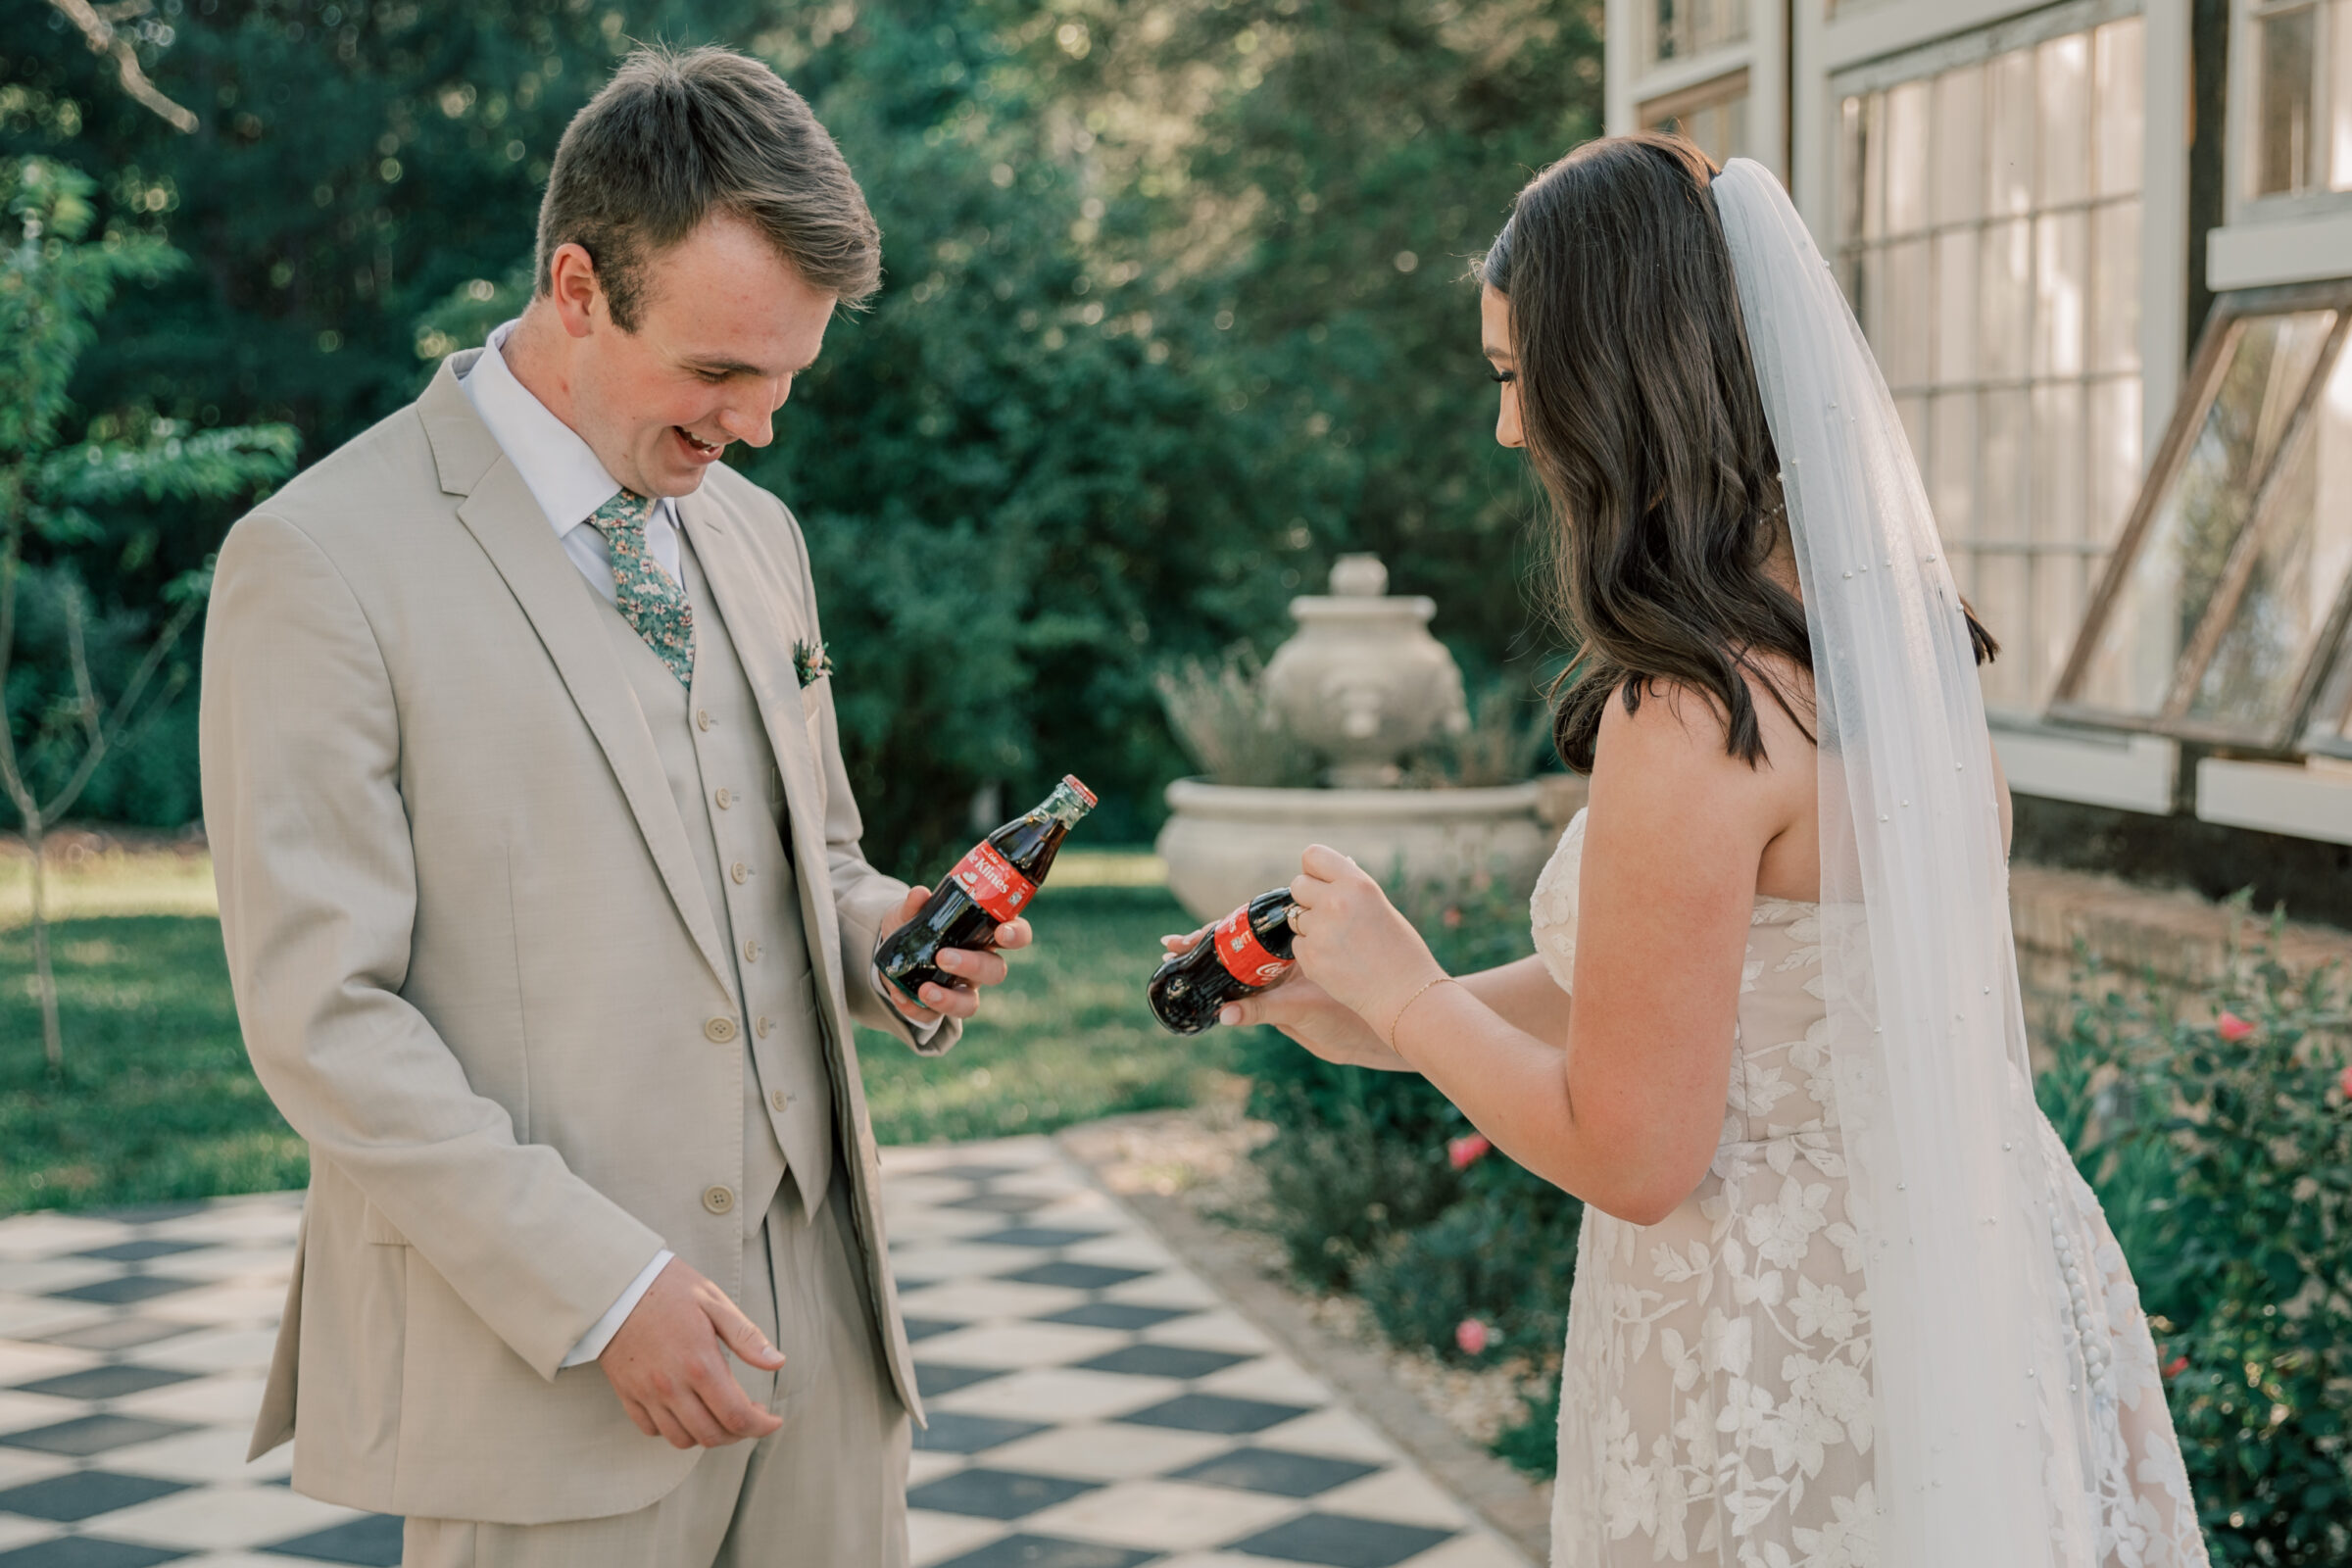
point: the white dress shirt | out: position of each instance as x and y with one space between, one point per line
567 478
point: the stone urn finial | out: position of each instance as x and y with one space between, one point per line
1363 682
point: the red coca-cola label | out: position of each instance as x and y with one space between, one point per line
995 883
1244 956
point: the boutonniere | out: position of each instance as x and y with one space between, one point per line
810 661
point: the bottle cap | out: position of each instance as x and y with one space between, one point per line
1085 793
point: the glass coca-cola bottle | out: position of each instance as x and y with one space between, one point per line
988 887
1245 952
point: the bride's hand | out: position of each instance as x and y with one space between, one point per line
1353 943
1306 1012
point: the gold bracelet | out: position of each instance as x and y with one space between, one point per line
1398 1017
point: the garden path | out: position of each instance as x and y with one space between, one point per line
1094 1404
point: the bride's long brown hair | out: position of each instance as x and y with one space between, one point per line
1639 406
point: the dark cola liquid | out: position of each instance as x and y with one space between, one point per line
988 887
1244 954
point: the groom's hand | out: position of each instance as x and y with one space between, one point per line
968 971
668 1363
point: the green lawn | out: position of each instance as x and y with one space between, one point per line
158 1102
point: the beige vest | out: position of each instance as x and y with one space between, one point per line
723 776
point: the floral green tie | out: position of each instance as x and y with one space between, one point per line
651 600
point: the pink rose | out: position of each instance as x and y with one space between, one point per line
2176 1366
1467 1151
1472 1335
2345 1083
2230 1027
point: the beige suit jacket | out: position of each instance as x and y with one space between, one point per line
476 969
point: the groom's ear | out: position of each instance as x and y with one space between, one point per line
574 289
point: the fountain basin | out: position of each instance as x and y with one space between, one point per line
1226 843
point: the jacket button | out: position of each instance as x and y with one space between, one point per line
724 799
702 718
764 1025
717 1199
721 1030
779 1099
751 952
741 873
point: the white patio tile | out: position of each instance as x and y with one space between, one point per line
21 1362
230 1398
1162 1515
1172 1288
931 1265
983 1300
1403 1495
929 1464
214 1518
28 1317
20 1411
17 1530
45 1276
1334 1432
1472 1549
46 1235
231 1350
1218 1329
251 1305
1270 1376
1110 1451
934 1536
1122 1249
214 1454
1019 1345
21 1466
1060 1395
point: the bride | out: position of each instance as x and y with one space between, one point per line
1840 1297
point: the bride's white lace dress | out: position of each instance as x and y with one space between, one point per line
1715 1403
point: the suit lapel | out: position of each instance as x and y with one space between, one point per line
758 634
506 520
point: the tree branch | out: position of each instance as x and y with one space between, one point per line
98 32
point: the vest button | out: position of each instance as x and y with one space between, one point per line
724 799
721 1030
741 873
780 1099
702 718
751 952
763 1025
717 1199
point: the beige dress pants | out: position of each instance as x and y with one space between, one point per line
826 1491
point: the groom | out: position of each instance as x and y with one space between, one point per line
542 893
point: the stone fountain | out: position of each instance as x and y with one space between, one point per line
1364 684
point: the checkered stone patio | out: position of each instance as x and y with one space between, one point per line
1093 1404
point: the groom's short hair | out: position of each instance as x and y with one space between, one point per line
674 136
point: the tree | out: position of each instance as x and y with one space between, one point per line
54 284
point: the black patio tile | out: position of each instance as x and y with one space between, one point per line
935 1378
369 1543
125 1289
86 1551
70 1498
1123 1315
1215 1412
1038 1235
88 1435
125 1333
143 1250
954 1432
992 1203
995 1494
1164 1361
1048 1551
111 1382
972 1173
924 1328
1074 1276
1278 1471
1341 1540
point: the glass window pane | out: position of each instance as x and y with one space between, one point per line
1902 335
2061 585
2284 47
2115 288
2061 496
2001 488
2117 66
1874 166
2339 98
2063 66
2204 506
1951 472
2005 281
2298 569
1849 171
2113 455
1959 147
1956 306
2062 241
2009 116
2001 601
1907 158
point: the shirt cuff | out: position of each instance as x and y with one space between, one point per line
592 1344
890 999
